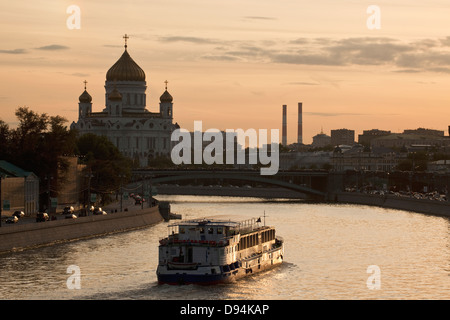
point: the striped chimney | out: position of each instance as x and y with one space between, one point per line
300 123
284 131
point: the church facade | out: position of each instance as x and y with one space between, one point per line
138 133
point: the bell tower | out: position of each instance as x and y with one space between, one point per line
166 105
85 103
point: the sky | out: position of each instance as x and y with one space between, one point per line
233 64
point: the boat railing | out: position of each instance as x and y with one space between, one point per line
176 241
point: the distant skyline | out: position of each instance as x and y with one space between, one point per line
234 64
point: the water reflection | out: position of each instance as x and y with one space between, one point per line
328 250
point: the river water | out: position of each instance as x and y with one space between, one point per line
331 252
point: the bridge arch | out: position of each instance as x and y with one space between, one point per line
240 177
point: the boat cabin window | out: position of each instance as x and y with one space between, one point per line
202 230
210 230
181 230
219 230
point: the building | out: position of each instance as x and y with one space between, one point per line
342 136
368 135
358 158
398 140
425 132
304 160
440 165
19 189
321 140
137 132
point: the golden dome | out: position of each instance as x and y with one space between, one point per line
85 97
115 95
166 97
125 69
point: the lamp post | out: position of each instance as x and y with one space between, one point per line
89 176
142 191
49 179
121 176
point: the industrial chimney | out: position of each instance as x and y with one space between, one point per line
284 130
300 123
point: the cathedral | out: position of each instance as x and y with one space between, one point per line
138 133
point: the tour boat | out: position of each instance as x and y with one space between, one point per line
217 250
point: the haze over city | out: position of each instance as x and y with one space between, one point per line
234 64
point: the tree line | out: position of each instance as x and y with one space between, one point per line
40 142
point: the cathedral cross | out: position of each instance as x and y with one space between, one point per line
126 37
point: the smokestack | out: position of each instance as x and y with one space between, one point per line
284 130
300 123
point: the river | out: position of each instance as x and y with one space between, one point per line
331 252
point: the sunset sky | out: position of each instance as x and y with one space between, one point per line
233 64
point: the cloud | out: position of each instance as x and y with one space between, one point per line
14 51
302 83
220 58
79 74
426 55
339 114
333 114
53 47
420 55
407 71
259 18
195 40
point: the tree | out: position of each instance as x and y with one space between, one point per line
5 138
39 142
105 165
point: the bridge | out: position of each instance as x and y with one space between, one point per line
314 184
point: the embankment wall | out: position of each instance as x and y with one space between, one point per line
440 208
230 192
36 234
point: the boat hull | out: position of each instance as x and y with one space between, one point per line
204 275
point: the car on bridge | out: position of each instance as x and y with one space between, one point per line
42 217
12 219
18 214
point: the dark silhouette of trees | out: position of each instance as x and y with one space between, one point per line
106 167
37 143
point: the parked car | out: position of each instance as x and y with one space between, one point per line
99 211
18 214
42 217
68 209
12 219
70 216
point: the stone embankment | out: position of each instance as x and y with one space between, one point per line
229 192
28 235
433 207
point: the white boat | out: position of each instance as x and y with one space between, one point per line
217 250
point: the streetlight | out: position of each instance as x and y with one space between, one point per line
121 176
89 176
49 179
